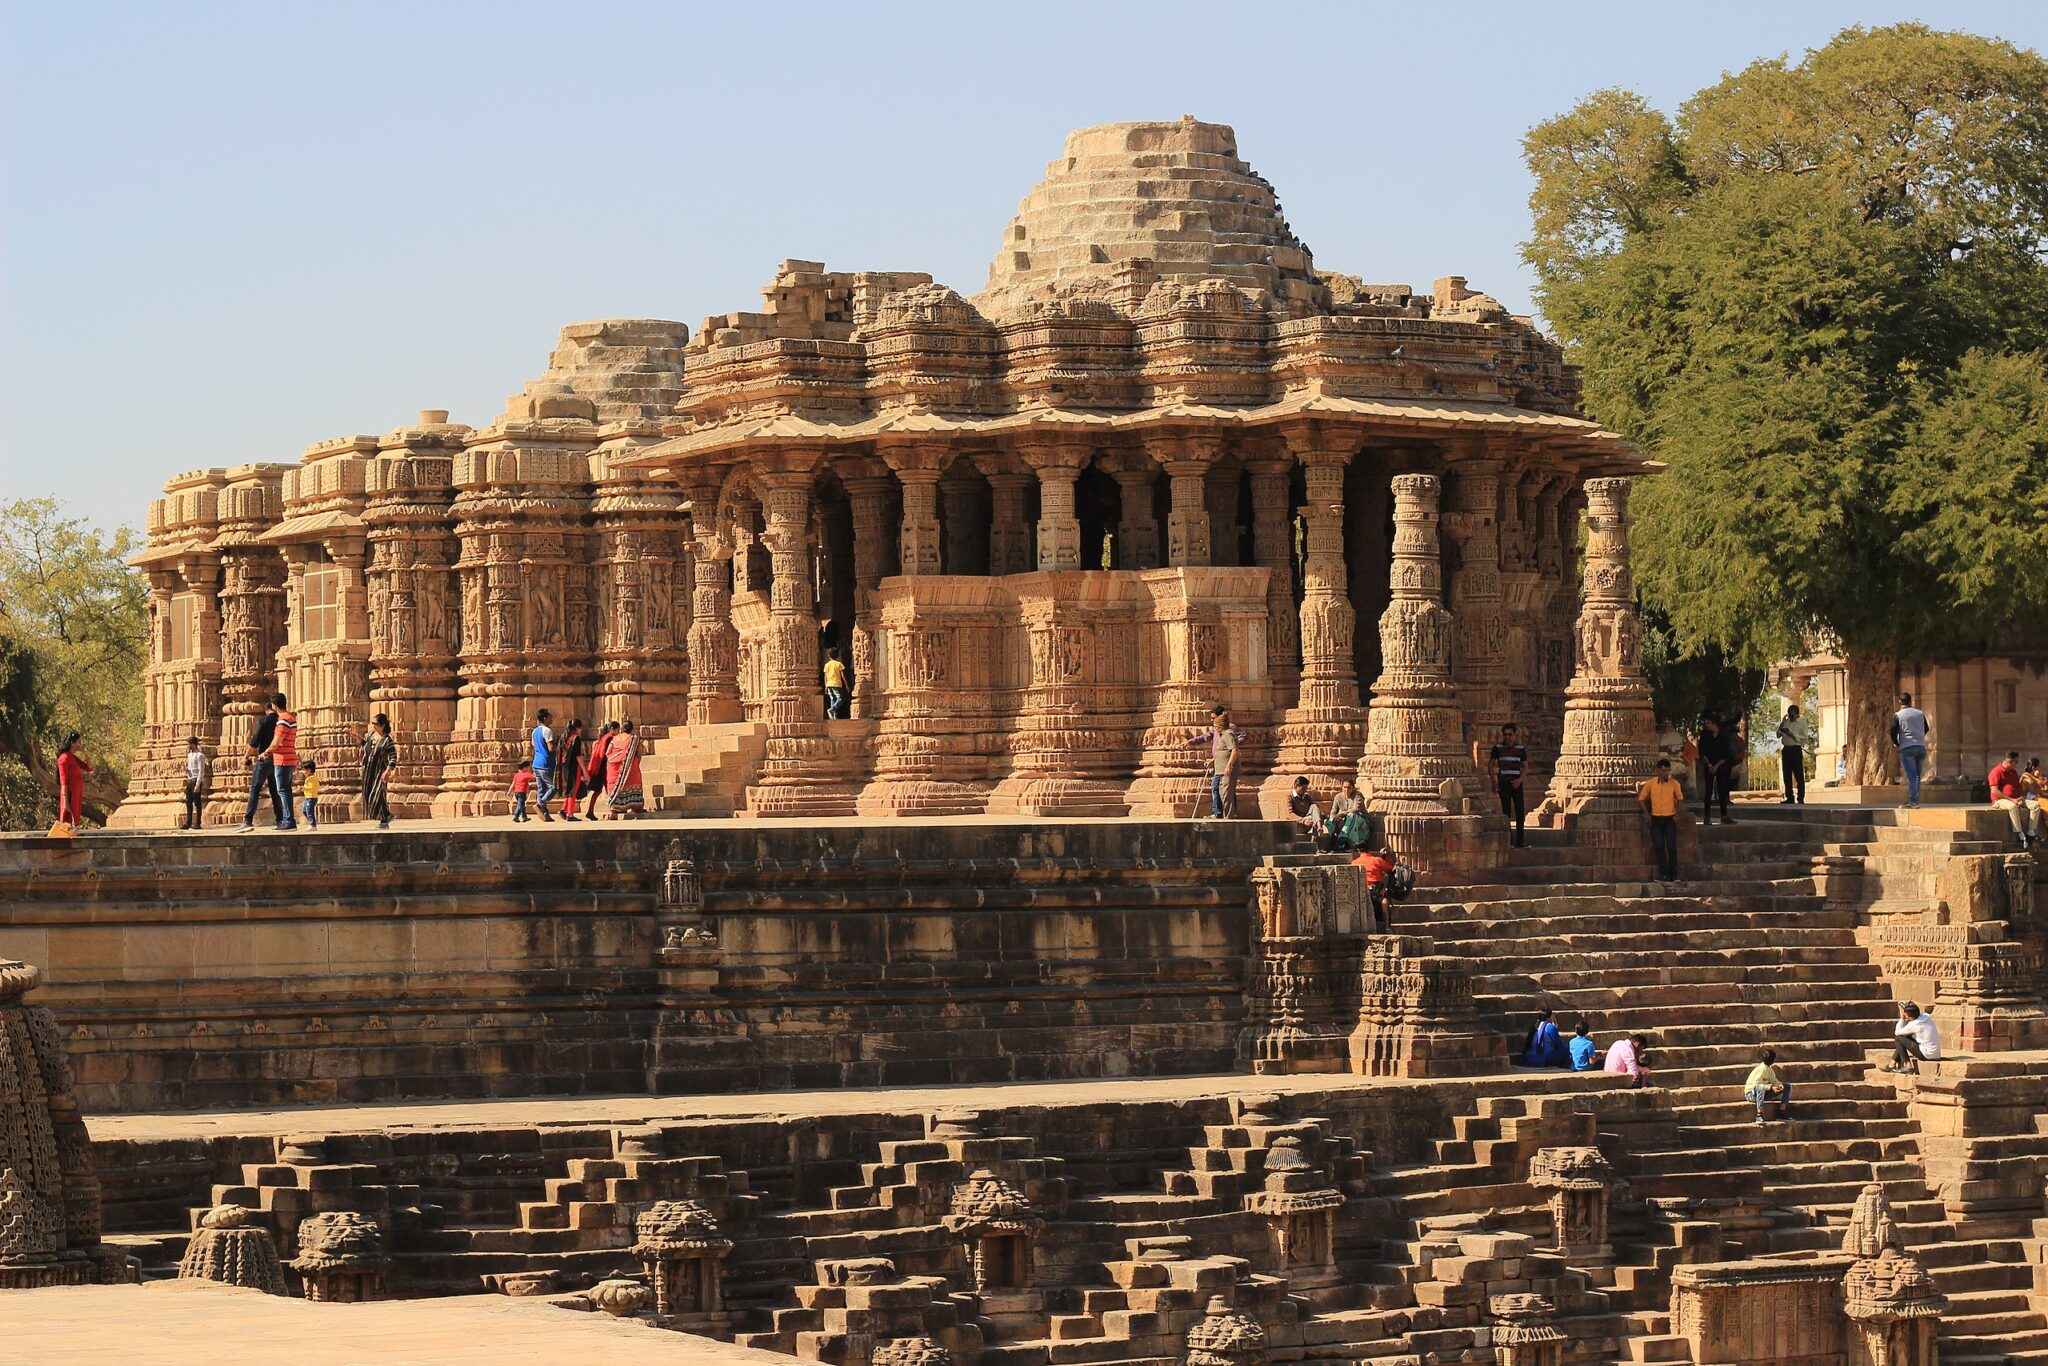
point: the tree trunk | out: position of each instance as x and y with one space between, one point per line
1870 685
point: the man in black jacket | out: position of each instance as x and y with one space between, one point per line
261 771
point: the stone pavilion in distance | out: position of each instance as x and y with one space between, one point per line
970 1050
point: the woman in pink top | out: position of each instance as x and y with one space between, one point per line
1626 1055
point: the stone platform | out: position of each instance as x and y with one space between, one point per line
485 960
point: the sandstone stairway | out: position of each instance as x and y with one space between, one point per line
1742 956
703 770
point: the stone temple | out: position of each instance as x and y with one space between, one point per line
1159 462
936 1036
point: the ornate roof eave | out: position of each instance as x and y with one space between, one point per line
311 525
1419 416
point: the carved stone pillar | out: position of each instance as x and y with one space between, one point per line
1273 550
521 511
1323 734
917 542
415 604
1009 531
868 495
799 772
1610 738
252 622
1416 764
1137 527
642 586
714 643
1521 613
1059 529
1187 519
1479 660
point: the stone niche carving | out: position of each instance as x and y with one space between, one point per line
341 1257
1524 1334
1300 1209
1225 1337
684 1252
686 936
1895 1310
1871 1228
998 1227
229 1248
911 1352
1580 1182
49 1198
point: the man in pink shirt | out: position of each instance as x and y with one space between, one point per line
1626 1055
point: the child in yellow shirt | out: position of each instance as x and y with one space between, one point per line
309 793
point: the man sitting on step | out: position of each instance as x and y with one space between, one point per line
1765 1087
1628 1055
1914 1040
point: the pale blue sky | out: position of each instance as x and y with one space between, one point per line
230 230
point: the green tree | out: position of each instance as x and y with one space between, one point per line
74 639
1820 295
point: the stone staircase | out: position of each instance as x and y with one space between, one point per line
1745 954
703 770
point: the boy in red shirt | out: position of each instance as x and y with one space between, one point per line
522 783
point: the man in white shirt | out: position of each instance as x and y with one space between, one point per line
198 772
1909 733
1914 1040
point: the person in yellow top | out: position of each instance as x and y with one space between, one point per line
309 794
2034 790
835 686
1765 1085
1661 797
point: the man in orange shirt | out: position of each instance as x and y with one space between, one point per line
1377 864
1661 797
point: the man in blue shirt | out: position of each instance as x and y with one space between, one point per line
543 763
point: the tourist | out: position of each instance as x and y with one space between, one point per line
2009 794
309 795
260 769
595 775
543 762
622 768
1302 806
379 757
1545 1047
1660 799
1909 733
522 784
1225 740
1349 826
71 771
284 757
569 767
1507 762
2034 783
1717 749
198 774
835 687
1915 1039
1792 758
1583 1050
1379 867
1628 1056
1766 1086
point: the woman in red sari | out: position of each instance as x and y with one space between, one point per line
622 772
71 771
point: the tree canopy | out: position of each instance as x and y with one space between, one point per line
74 639
1820 294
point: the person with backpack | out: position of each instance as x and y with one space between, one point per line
1385 880
1909 734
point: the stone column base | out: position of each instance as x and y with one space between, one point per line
1324 748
